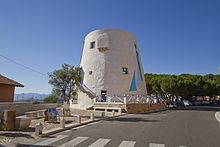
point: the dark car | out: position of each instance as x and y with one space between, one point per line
179 104
215 102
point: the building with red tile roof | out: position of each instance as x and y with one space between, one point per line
7 88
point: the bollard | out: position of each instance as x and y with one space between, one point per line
62 122
103 114
38 129
119 111
125 99
92 116
8 120
79 119
113 112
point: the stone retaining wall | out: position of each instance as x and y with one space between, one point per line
134 107
114 105
143 107
23 107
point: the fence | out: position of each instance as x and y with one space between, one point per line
129 99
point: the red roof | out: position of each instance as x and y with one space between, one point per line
7 81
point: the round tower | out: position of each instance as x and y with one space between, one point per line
111 64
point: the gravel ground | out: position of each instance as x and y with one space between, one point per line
16 136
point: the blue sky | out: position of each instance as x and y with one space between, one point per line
174 37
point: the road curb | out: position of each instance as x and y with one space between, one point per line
58 130
217 116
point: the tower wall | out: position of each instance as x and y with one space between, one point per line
105 53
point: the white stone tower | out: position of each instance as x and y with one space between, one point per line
111 67
111 63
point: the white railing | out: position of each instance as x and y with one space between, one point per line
125 99
85 88
109 99
139 99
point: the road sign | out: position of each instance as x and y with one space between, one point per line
52 113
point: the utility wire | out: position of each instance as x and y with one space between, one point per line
24 66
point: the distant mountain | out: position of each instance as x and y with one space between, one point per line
29 97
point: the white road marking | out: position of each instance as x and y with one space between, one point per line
217 116
51 140
74 142
100 142
156 145
127 144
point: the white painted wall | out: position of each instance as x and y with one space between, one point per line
106 66
83 101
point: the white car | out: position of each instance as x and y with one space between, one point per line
186 103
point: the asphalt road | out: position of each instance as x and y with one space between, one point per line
191 127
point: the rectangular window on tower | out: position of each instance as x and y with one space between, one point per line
135 46
92 44
124 70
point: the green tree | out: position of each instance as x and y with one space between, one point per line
217 78
184 85
51 98
36 102
65 81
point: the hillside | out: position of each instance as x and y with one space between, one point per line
29 96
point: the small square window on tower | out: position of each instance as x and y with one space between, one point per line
124 70
92 44
90 72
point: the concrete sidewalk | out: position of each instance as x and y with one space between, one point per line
70 126
9 138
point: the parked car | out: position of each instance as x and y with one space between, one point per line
186 103
205 103
179 104
215 102
197 103
172 105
